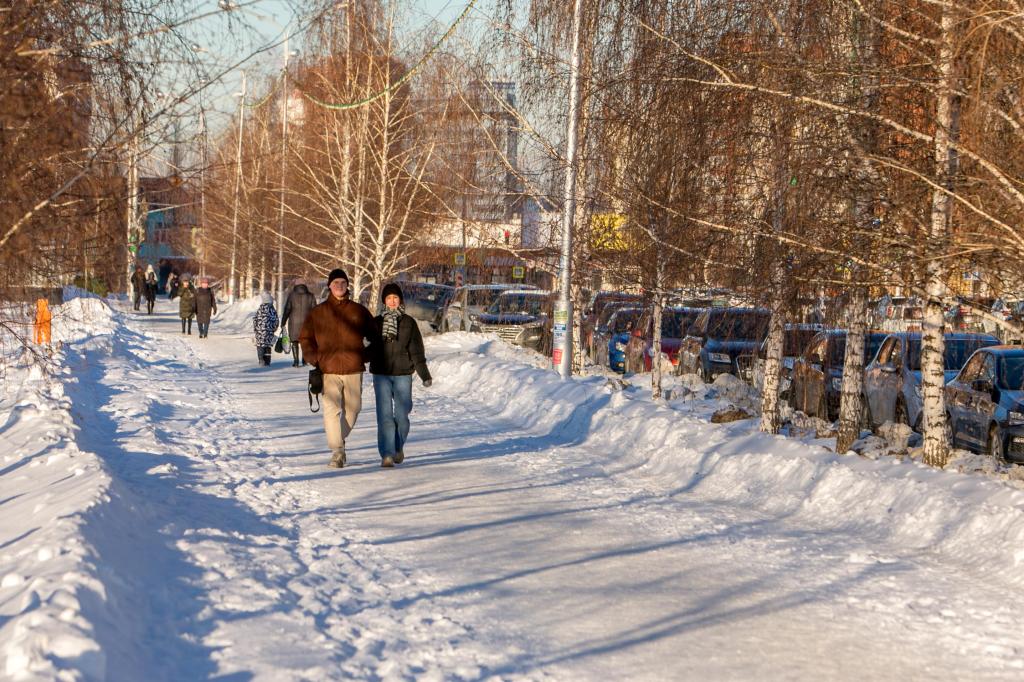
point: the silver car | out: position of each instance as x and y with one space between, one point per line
471 300
892 381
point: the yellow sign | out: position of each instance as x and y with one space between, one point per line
460 259
518 271
607 232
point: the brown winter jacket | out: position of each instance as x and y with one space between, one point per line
332 336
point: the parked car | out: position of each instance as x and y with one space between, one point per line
639 352
595 308
985 403
892 381
612 337
469 301
427 302
521 317
818 372
718 336
750 366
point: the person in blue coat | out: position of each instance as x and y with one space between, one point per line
264 324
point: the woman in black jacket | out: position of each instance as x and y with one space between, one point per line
396 354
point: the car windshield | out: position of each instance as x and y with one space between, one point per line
796 341
675 322
621 319
738 326
609 310
957 352
518 304
482 297
1011 373
872 342
429 295
602 303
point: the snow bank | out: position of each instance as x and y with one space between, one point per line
236 318
976 519
50 578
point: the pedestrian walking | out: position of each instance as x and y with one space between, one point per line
41 328
173 283
263 326
187 304
150 291
296 308
397 353
138 286
206 306
335 338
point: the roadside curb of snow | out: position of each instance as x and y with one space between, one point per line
974 519
49 486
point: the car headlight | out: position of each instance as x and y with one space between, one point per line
621 347
473 317
837 384
1015 418
721 358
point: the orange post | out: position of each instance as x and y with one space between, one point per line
42 325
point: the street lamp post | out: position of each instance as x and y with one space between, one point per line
562 328
232 281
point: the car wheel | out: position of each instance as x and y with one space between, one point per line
995 445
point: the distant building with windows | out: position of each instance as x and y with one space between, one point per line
170 222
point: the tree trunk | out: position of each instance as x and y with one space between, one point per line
933 343
659 304
770 421
851 403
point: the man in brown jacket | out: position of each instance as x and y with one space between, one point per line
332 339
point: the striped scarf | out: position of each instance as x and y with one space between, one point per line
391 317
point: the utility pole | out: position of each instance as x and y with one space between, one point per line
284 172
562 328
232 281
202 194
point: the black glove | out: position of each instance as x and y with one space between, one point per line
427 383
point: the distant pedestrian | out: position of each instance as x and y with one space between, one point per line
335 337
41 328
394 357
296 308
173 282
187 304
138 286
150 291
264 324
206 306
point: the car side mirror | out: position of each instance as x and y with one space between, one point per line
982 386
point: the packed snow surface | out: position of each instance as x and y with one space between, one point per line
168 515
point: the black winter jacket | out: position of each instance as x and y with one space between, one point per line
206 305
401 356
296 308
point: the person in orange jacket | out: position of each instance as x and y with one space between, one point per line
42 325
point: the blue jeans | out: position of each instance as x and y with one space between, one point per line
394 403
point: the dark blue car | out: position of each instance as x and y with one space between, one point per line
718 336
614 336
985 403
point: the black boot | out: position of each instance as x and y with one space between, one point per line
295 355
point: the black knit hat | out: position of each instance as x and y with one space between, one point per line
336 273
391 288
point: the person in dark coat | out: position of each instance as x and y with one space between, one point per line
187 304
206 306
296 308
264 324
396 354
173 283
150 289
138 286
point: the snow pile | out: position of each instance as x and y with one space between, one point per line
737 392
971 518
51 578
236 318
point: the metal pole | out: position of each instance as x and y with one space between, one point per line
133 210
232 282
562 329
284 166
202 195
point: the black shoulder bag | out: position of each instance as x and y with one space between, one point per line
315 388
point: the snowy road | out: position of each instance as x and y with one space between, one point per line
505 547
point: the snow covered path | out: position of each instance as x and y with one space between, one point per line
506 547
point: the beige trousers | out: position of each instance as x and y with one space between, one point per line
342 400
